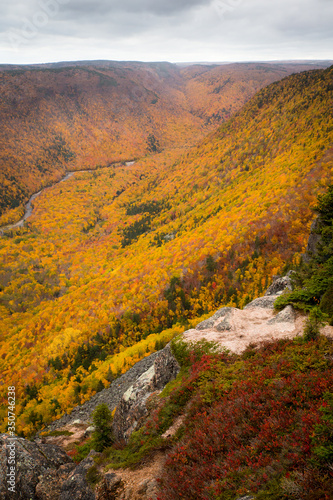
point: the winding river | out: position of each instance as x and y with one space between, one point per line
29 207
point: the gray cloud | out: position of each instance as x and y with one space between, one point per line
156 7
48 30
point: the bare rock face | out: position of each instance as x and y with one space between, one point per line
224 325
314 239
234 329
110 396
45 472
33 461
132 407
166 368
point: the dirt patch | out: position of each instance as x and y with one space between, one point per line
174 428
141 484
65 441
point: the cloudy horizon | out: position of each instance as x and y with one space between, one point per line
41 31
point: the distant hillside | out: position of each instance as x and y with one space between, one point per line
216 92
113 263
58 117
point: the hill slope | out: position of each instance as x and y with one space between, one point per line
129 256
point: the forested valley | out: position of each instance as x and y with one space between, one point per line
117 260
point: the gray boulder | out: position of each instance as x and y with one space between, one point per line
50 483
266 302
206 324
224 325
45 472
287 315
279 285
210 322
110 488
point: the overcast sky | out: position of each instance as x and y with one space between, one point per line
33 31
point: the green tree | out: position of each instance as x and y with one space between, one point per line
314 322
153 144
100 386
102 436
109 376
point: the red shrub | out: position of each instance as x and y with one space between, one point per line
253 433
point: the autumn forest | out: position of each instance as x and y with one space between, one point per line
192 187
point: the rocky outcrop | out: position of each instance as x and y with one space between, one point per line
219 320
266 302
235 329
110 396
46 472
314 239
35 462
132 407
279 285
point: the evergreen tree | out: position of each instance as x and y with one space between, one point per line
152 144
102 436
109 376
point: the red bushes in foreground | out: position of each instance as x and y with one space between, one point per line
269 434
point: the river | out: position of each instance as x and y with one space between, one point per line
29 207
